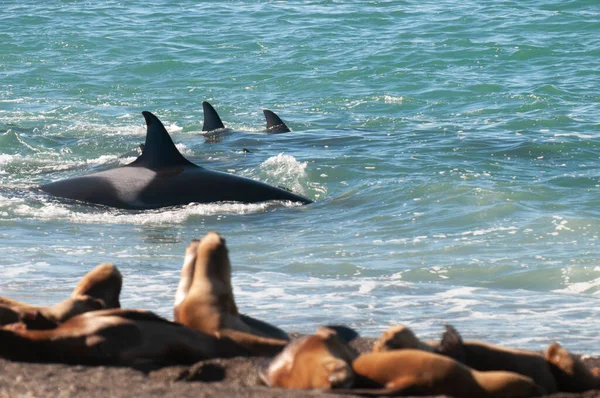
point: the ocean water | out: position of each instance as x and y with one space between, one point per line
452 150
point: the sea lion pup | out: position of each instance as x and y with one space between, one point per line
204 299
487 357
572 375
416 372
103 282
320 361
98 289
117 337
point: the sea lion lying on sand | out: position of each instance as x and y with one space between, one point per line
416 372
117 337
487 357
98 289
477 355
204 299
571 374
322 360
14 311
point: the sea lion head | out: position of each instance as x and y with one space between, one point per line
103 282
212 259
399 337
571 374
321 360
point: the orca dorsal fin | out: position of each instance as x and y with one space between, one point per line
212 121
159 150
274 123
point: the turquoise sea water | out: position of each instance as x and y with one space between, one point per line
452 150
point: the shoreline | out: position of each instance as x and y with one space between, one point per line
209 378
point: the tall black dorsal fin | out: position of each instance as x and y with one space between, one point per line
275 123
159 149
212 121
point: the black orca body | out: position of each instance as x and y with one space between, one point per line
162 177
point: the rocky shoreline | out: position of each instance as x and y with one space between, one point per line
234 377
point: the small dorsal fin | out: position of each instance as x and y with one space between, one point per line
159 150
212 121
274 122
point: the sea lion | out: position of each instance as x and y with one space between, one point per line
477 355
204 299
103 282
417 372
14 311
487 357
320 361
571 374
400 337
117 337
98 289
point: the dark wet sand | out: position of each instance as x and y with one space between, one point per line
236 377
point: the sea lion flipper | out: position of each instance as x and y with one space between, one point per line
451 345
264 328
253 344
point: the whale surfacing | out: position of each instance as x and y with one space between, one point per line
161 176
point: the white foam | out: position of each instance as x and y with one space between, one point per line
177 215
284 170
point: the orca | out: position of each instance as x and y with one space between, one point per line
162 177
212 121
274 124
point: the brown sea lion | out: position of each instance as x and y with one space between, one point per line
417 372
320 361
114 336
103 282
477 355
400 337
488 357
571 374
15 311
98 289
204 299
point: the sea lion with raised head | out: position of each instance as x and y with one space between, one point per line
322 360
572 375
98 289
114 336
204 299
14 311
417 372
103 282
